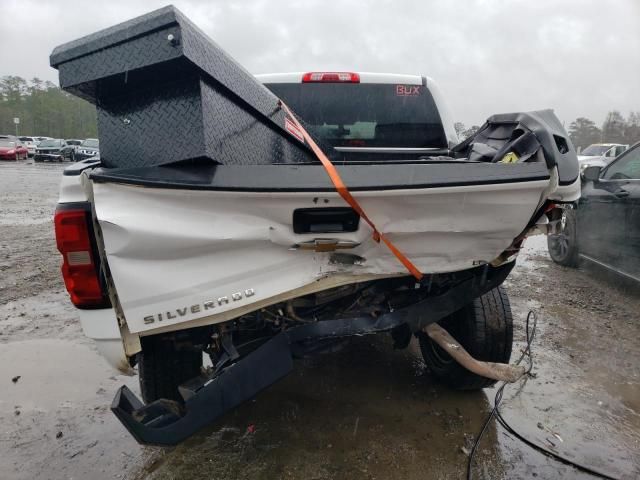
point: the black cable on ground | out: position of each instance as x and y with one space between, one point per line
530 331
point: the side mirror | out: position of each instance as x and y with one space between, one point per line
592 173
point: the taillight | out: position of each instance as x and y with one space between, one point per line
330 77
79 266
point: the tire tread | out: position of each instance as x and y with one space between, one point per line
162 369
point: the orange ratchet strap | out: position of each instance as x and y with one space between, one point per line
341 188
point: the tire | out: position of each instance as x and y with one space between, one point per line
484 328
162 368
563 246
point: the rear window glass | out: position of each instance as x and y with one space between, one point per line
366 115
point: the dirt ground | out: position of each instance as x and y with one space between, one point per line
368 412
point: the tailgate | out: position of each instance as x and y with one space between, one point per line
204 255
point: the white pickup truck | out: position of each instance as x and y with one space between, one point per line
600 154
406 232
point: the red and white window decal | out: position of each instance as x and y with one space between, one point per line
408 90
293 129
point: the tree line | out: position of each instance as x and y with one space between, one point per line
44 110
583 131
615 129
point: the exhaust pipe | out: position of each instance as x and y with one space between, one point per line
496 371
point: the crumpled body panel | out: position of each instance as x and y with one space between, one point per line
207 256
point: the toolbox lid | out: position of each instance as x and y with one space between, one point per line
116 34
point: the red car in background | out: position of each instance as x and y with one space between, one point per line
12 149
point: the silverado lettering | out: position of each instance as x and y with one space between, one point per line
198 307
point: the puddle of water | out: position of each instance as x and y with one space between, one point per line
49 370
593 425
55 418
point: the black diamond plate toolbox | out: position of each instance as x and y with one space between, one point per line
165 93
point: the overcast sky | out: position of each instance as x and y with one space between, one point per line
580 57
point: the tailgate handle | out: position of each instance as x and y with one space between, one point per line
325 245
325 220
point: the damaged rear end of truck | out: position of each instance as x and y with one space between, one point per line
212 225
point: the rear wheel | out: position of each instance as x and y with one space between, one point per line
563 245
162 367
484 328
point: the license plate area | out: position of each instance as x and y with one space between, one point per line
325 220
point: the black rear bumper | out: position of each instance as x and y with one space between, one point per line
164 422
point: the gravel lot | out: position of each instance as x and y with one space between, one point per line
368 412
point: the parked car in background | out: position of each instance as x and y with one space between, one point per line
11 148
54 150
75 142
600 154
604 228
39 139
31 144
89 148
